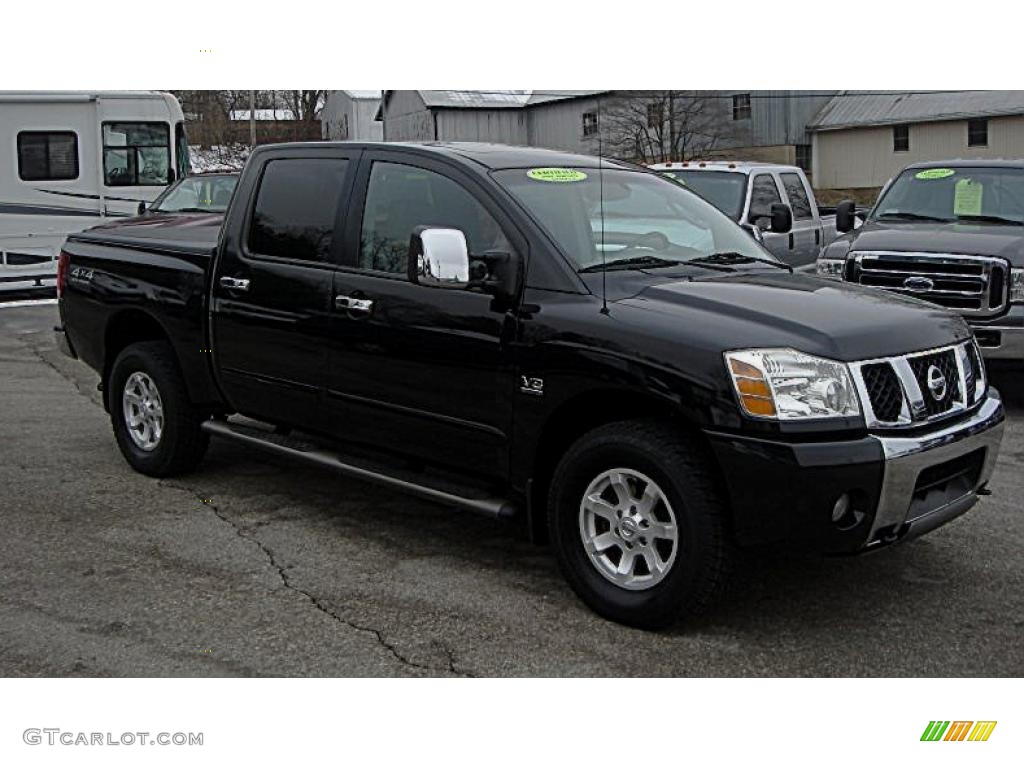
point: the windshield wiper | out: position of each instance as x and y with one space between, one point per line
735 257
635 262
990 218
192 210
908 216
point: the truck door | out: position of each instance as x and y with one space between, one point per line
271 293
764 191
805 237
417 370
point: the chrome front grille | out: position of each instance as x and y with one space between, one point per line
971 285
915 389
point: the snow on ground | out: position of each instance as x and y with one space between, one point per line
222 157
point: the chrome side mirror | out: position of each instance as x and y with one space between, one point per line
439 258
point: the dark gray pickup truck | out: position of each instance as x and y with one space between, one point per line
951 233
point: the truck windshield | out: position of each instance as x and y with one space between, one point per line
989 195
197 194
723 189
647 219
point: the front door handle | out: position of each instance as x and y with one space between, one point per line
353 304
235 283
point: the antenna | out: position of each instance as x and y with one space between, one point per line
600 187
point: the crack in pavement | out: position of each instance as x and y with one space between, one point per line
247 535
282 572
38 352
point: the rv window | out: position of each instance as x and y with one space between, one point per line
47 155
136 154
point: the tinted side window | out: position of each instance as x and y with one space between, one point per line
47 155
295 208
763 192
797 195
402 197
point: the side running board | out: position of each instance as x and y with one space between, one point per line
407 482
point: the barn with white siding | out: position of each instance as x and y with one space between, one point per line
861 140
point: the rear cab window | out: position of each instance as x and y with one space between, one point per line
297 205
799 200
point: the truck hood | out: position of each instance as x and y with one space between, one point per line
820 317
928 237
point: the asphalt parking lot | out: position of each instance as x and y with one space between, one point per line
254 566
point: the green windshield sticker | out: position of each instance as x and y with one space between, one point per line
934 173
556 174
967 198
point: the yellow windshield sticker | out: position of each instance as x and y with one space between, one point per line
967 198
934 173
556 174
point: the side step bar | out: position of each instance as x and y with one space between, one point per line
489 506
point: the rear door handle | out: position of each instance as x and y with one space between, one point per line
353 304
235 283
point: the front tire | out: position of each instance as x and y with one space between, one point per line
638 524
156 426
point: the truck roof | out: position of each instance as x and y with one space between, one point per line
489 156
967 162
729 166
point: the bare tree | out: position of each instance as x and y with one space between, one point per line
664 126
305 105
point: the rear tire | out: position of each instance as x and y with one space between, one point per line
613 489
156 426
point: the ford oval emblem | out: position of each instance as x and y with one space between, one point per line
919 284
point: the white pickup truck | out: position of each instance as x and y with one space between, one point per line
746 191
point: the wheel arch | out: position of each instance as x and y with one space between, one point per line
582 413
127 327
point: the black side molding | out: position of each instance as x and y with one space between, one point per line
417 485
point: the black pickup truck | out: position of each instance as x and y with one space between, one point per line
581 346
951 233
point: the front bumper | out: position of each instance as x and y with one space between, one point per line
1003 338
898 486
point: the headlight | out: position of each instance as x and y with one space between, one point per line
786 385
1017 285
831 268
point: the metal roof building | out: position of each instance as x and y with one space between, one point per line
861 140
850 109
772 125
351 115
502 116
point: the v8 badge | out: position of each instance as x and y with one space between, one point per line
531 385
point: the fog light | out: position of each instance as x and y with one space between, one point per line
841 508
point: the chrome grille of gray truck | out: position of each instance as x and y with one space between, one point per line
971 285
914 389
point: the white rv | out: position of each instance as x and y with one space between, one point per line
70 160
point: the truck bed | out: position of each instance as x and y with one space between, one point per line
189 233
